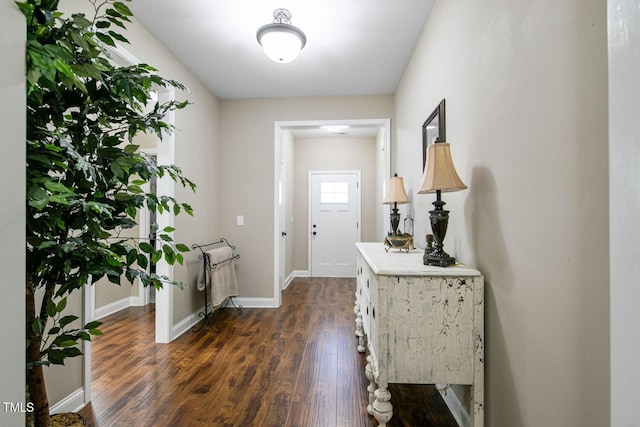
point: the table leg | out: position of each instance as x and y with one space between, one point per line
360 332
382 408
371 388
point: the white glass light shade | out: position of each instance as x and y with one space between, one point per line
281 42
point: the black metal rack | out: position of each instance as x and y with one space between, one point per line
204 256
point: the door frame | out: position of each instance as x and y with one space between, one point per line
282 200
279 127
144 227
309 206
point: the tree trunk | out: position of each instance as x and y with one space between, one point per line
35 375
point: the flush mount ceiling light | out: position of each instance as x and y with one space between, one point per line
336 129
281 41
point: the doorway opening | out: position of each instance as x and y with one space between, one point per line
288 133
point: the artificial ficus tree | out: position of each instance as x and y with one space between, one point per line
85 175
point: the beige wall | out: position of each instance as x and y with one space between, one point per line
333 154
196 153
246 172
526 92
12 220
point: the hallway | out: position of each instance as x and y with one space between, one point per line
295 366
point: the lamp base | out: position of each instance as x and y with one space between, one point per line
438 257
403 242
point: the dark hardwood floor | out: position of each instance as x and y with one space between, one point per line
295 366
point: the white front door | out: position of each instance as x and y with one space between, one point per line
334 222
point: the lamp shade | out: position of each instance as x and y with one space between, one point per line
281 41
395 191
440 174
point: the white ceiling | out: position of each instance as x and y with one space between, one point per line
354 47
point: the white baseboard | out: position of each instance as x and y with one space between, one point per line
454 404
72 403
293 275
187 323
254 302
114 307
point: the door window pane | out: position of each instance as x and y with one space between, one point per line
334 192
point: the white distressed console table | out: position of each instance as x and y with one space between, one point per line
422 325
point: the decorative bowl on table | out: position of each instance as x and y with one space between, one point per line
401 241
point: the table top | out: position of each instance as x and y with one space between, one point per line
403 263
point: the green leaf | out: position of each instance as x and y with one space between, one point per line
143 262
92 325
131 256
168 229
118 37
157 255
131 149
182 247
71 352
131 211
122 8
169 254
56 187
81 21
56 357
146 247
39 204
46 245
62 200
64 321
36 326
61 305
135 189
63 68
50 308
105 39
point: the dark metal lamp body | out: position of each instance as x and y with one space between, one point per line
395 219
439 222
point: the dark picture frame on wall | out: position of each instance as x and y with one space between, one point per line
433 130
